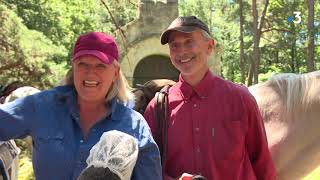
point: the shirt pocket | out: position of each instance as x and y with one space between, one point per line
48 141
229 142
50 154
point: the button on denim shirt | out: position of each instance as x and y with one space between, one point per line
60 151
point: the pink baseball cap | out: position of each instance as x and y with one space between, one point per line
97 44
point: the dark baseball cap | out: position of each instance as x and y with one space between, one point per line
185 24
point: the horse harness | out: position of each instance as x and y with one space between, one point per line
162 117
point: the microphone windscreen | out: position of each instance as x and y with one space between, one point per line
116 152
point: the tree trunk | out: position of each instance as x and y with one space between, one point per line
256 50
251 68
277 57
292 63
293 49
242 59
311 46
256 29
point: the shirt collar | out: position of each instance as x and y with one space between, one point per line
201 89
70 98
114 105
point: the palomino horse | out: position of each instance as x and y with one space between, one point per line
290 106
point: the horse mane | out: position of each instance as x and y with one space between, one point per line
296 89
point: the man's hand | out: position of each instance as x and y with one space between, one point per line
186 176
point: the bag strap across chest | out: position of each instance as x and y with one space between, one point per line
162 116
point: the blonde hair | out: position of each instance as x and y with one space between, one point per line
120 87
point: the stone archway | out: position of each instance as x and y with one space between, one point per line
154 67
139 41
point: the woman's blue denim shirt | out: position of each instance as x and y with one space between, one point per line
59 149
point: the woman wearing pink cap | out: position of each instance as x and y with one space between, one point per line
67 121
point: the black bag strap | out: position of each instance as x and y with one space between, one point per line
161 115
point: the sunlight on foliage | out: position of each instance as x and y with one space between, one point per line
315 175
25 169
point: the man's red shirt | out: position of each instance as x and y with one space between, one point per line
215 130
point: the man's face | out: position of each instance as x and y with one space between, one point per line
189 52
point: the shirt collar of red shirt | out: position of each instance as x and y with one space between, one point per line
201 90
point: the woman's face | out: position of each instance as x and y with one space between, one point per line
92 78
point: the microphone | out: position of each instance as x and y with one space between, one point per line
112 158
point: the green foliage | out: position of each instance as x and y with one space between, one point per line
61 21
285 40
25 168
123 11
40 35
282 45
25 163
315 175
223 21
64 21
24 53
272 70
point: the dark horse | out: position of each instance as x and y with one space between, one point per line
144 93
6 91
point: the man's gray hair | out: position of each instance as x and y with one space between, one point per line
205 34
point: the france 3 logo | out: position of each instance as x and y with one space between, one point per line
296 19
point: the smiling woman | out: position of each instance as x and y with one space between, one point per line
67 121
93 79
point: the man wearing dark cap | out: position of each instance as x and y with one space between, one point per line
214 127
